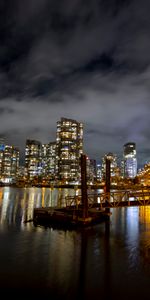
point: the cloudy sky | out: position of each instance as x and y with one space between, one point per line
88 60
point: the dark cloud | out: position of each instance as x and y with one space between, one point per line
86 60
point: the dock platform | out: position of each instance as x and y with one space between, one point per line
68 217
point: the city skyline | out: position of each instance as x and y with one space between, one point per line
89 62
119 158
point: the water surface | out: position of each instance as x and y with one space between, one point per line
106 261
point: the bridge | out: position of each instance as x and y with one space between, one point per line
112 199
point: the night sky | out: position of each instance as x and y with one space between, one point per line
85 60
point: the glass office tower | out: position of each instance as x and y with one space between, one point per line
130 160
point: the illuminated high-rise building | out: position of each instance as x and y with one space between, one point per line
98 172
122 168
9 163
69 141
91 170
45 158
33 165
130 160
48 158
52 166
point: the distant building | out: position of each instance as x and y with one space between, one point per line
69 142
122 168
130 160
52 163
33 158
144 175
48 159
91 170
98 172
9 163
45 158
21 171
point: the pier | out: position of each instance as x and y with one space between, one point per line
86 209
74 214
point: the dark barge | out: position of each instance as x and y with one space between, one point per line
68 217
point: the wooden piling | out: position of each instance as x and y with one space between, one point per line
84 198
108 183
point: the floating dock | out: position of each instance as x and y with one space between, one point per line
68 217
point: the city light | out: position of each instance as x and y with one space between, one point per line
58 162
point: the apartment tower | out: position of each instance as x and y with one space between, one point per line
69 141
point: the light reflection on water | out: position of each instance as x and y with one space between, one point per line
16 201
110 260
